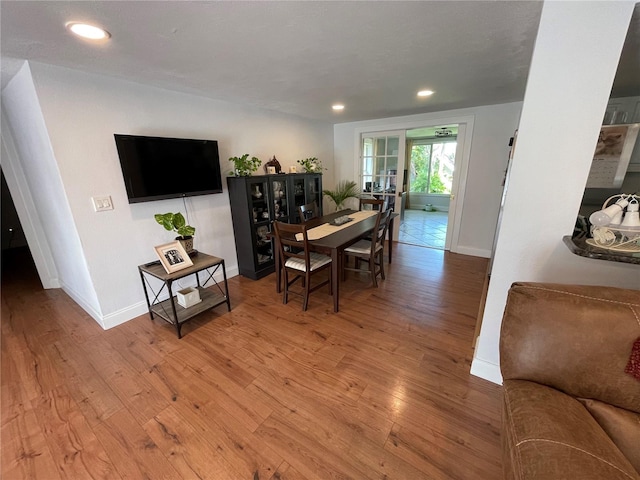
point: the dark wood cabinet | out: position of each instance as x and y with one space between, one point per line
258 200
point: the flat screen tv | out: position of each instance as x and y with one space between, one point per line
156 168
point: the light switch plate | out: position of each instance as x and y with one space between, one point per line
101 204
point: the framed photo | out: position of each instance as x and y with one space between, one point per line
173 257
271 170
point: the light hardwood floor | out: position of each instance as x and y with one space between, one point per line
380 390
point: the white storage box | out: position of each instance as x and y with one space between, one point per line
188 297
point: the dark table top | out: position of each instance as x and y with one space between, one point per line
344 236
580 247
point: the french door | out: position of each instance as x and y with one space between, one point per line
382 168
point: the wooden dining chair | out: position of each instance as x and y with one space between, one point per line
308 211
298 261
370 204
371 251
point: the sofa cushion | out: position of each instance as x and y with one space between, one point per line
622 426
575 338
550 435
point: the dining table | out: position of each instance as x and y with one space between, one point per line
334 244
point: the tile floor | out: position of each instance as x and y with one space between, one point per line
427 229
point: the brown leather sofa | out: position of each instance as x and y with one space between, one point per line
570 410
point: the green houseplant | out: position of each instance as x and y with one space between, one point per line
175 222
344 189
311 165
244 166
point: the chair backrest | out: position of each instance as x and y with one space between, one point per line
380 232
370 204
289 245
308 211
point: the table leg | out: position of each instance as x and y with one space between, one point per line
335 277
390 232
226 286
278 273
173 308
146 294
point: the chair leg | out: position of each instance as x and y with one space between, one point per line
307 284
285 290
382 264
372 267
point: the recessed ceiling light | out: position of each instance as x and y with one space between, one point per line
338 107
425 93
85 30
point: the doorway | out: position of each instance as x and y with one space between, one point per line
17 261
465 124
430 166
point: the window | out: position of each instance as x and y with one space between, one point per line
432 164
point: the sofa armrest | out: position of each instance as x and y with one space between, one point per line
574 338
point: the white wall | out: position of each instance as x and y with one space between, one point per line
571 74
493 126
82 112
58 231
417 201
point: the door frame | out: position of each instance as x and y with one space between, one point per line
25 207
463 154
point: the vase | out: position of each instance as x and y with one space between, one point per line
256 192
187 243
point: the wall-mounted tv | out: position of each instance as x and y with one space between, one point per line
155 168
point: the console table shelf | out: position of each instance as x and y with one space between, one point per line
168 309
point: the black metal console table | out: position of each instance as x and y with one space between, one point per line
167 309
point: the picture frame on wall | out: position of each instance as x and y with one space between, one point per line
173 256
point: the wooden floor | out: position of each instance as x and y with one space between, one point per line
381 390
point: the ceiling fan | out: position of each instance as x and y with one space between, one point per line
443 132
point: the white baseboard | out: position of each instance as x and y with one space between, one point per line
488 371
124 315
474 252
132 311
96 315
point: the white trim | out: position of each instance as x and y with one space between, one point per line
138 309
87 307
474 252
27 212
488 371
465 135
124 315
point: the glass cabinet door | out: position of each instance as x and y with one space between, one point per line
259 198
314 190
280 199
299 197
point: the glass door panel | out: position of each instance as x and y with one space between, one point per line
279 195
313 190
381 172
299 197
259 198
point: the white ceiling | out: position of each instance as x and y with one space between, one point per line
295 57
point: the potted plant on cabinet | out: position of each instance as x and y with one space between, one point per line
345 189
244 166
311 165
175 222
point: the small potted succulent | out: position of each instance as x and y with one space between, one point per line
175 222
311 165
244 166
